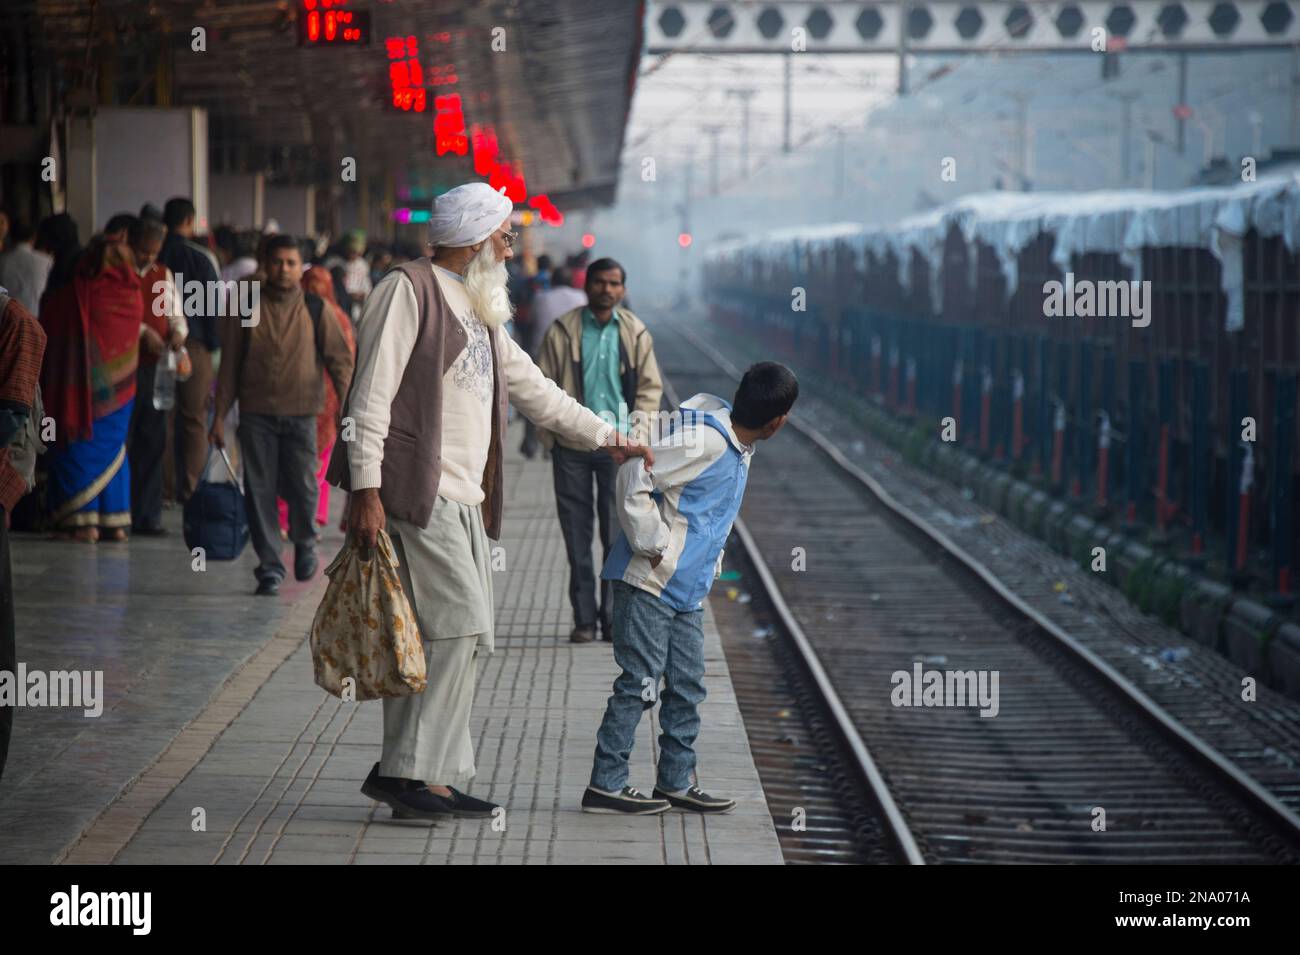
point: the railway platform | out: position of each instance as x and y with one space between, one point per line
215 746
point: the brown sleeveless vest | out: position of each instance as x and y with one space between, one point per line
412 465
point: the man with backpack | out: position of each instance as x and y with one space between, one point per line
274 369
22 347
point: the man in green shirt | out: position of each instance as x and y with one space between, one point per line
603 356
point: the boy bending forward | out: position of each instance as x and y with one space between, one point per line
675 520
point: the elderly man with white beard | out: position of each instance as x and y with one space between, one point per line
435 372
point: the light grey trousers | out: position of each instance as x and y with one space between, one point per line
445 572
426 736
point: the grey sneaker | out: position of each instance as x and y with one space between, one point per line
582 635
629 802
695 799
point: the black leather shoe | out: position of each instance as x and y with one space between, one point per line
411 799
401 795
268 587
149 531
304 563
457 804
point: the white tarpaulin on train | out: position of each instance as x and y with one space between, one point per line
1120 222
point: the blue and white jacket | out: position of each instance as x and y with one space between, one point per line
683 509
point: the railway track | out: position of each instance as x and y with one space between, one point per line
1073 763
820 807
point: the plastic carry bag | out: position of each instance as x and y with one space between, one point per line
365 630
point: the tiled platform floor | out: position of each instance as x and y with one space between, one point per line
274 763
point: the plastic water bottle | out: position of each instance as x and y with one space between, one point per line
164 381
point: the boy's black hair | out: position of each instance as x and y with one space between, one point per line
768 390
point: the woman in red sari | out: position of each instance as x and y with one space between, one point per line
88 384
317 281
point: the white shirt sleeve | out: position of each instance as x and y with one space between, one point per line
386 336
544 402
176 315
677 463
171 305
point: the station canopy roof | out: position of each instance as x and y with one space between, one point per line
557 97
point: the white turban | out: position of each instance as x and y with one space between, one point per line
467 215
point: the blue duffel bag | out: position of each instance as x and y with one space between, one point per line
215 517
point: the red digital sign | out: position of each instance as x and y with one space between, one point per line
486 149
405 75
329 23
546 209
449 126
409 82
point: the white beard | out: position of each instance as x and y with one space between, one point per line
485 284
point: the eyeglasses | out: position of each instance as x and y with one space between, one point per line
509 239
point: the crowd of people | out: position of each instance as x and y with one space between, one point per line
120 453
423 356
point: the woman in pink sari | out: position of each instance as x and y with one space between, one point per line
317 281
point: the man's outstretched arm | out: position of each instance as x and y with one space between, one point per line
547 405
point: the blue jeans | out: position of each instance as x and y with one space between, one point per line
652 641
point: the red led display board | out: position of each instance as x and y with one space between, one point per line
323 23
404 73
449 126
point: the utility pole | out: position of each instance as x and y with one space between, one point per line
789 69
1022 138
685 209
686 192
713 132
839 162
744 95
904 14
1152 138
1294 138
1256 133
1126 133
1182 103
